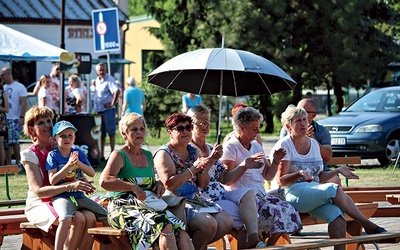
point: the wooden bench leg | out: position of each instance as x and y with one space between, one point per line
353 228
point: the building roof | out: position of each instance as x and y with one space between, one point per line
49 11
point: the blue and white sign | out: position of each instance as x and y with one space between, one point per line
105 30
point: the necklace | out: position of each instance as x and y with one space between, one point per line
183 154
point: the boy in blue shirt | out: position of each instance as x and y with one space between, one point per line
67 163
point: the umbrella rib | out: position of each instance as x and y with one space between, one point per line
265 84
174 79
234 82
202 82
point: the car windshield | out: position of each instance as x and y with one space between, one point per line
389 77
377 101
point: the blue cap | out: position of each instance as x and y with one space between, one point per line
61 126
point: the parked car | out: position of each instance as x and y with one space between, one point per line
369 127
389 76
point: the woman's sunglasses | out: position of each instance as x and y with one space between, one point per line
181 128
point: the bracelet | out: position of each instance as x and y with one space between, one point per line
276 163
167 234
191 172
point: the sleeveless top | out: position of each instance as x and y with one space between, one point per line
143 177
42 164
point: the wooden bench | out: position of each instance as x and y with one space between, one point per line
372 238
352 228
35 238
376 194
107 235
6 170
9 224
393 198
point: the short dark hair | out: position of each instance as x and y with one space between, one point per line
176 118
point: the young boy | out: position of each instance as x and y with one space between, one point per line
66 164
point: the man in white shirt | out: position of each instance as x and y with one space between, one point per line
105 98
17 96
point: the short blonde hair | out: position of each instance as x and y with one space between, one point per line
198 110
127 121
291 112
34 114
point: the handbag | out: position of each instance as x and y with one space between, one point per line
176 205
154 202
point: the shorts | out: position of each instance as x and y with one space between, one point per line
315 199
66 208
108 122
230 204
14 131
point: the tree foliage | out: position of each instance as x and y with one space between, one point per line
334 43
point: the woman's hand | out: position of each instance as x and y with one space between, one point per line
306 176
253 162
348 172
159 189
139 193
216 153
201 163
83 185
278 155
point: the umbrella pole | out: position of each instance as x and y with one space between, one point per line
220 108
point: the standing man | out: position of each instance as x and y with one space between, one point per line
17 96
134 100
317 132
105 98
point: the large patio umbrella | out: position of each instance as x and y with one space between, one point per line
221 71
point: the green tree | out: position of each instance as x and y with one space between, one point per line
336 43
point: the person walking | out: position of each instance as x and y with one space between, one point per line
17 95
105 98
134 100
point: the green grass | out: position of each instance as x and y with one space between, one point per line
369 176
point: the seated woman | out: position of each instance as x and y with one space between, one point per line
183 175
244 156
39 209
128 174
239 203
301 173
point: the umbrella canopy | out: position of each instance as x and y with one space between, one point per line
221 71
19 46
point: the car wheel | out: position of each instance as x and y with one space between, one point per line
391 151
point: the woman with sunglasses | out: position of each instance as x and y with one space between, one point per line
245 157
181 170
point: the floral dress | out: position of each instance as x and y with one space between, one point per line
142 223
275 215
195 202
